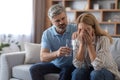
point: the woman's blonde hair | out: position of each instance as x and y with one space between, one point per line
90 19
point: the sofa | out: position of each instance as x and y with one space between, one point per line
15 66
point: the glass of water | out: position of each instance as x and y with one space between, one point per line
69 44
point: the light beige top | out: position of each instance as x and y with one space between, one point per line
103 59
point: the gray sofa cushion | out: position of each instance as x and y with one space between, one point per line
52 76
14 79
115 51
22 72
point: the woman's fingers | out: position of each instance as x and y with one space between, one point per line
74 35
88 37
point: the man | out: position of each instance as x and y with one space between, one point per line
53 47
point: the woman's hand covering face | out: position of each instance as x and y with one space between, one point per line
85 33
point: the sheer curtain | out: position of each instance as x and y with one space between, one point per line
16 22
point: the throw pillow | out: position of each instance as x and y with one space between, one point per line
115 50
32 53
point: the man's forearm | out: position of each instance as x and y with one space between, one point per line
47 56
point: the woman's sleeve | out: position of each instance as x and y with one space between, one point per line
76 62
102 51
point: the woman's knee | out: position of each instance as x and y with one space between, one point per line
78 74
102 74
95 73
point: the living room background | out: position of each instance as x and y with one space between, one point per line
21 21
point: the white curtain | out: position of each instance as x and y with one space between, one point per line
16 22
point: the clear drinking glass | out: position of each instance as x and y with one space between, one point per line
69 44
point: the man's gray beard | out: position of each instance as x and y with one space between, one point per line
60 30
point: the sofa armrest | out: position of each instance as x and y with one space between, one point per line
9 60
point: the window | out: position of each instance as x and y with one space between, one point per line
16 17
16 22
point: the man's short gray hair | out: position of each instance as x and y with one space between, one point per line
55 10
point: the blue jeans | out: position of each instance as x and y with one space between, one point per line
91 74
38 71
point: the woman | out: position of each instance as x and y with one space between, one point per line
91 54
